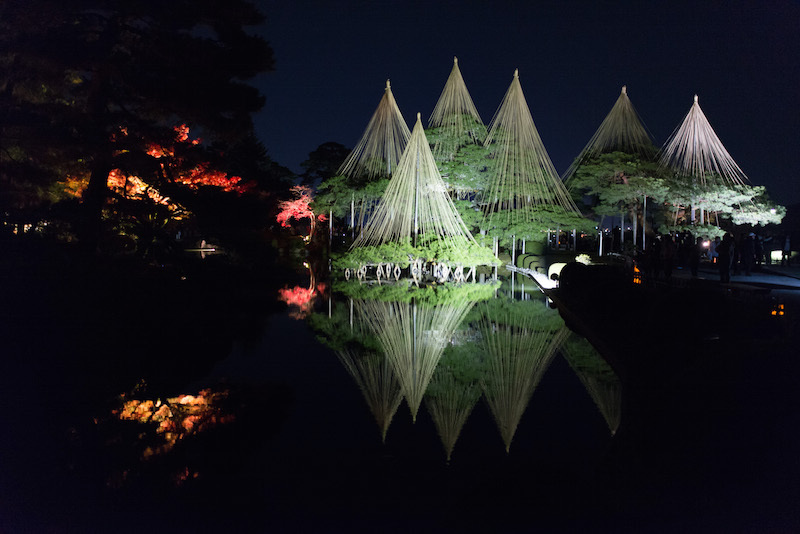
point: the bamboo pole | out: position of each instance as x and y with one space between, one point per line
513 250
644 222
416 200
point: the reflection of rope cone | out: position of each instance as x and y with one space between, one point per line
599 379
518 357
377 382
413 338
451 406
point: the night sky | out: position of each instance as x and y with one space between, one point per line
741 58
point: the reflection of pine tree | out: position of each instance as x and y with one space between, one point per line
599 379
359 352
453 392
374 376
518 350
413 338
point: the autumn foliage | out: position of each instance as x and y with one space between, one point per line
300 299
173 167
176 418
299 208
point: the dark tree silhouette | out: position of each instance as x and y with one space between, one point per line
87 83
323 162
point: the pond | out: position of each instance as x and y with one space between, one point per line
175 406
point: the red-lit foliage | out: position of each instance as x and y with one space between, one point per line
301 299
172 165
198 175
298 208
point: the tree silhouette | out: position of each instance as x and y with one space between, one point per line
78 74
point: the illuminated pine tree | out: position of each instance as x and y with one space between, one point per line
694 151
524 182
621 131
382 143
455 118
416 203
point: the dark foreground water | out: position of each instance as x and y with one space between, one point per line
204 404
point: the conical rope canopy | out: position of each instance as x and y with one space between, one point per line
523 175
622 130
415 202
694 151
380 147
456 115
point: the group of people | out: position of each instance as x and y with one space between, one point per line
728 255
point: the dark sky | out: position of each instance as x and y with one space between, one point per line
741 58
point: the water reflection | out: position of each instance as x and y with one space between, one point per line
376 379
413 338
597 377
160 425
519 342
449 349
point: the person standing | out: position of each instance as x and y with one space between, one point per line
725 255
667 255
694 256
786 251
767 246
713 257
759 249
748 253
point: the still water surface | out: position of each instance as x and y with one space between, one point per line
350 414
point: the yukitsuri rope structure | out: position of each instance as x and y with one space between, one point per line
413 338
456 115
415 202
382 143
694 151
523 174
377 382
622 130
